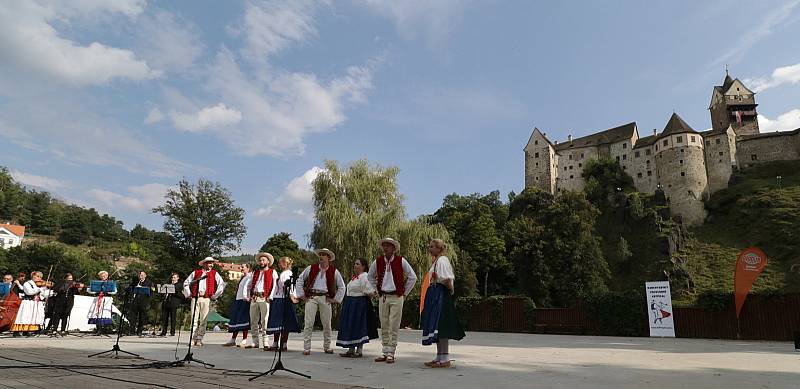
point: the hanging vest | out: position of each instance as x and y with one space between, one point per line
330 274
211 282
267 273
397 275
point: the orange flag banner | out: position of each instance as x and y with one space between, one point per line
749 265
426 281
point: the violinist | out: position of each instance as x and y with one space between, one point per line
141 289
31 311
62 304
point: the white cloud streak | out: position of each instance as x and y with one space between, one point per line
295 201
207 118
432 21
785 122
780 76
141 198
36 181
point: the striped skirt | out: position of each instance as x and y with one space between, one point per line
439 319
282 316
355 326
239 316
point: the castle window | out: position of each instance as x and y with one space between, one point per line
571 177
624 167
666 142
680 139
692 138
617 158
656 147
580 165
581 155
565 168
536 155
638 175
536 142
753 157
570 157
718 141
720 161
647 152
624 145
681 161
648 161
537 178
649 173
624 157
570 167
636 154
537 164
708 143
682 150
720 153
683 174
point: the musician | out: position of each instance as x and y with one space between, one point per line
31 311
170 306
140 303
62 303
208 288
17 287
8 282
100 310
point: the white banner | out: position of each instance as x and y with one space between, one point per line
659 309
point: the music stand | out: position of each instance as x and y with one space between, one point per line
116 350
278 365
165 290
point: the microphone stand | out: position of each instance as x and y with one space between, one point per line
189 357
116 350
278 365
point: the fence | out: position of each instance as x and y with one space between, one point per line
762 318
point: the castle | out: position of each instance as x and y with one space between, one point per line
686 164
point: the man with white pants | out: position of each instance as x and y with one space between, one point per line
258 293
203 291
320 285
393 278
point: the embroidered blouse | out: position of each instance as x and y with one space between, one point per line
360 286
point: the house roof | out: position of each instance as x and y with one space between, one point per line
613 135
14 229
676 125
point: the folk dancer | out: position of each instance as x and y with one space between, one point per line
169 307
202 293
31 311
240 309
282 318
320 285
140 303
62 302
258 294
357 323
394 279
102 305
439 321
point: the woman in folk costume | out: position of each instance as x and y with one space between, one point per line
357 323
282 319
240 310
30 316
258 293
102 305
320 286
439 321
202 293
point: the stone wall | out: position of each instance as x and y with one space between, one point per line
570 167
682 173
720 159
767 147
643 169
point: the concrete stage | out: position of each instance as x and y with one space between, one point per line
482 360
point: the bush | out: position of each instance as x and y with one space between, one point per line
618 314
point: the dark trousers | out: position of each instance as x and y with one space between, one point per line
59 314
138 314
168 314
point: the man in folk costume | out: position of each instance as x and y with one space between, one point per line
320 286
204 291
30 316
258 294
394 278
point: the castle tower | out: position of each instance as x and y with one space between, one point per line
720 149
540 163
733 104
680 163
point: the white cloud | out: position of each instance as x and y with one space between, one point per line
139 198
35 181
30 43
168 42
210 117
154 116
761 30
271 26
780 76
785 122
430 20
296 200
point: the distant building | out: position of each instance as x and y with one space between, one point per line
234 270
11 235
687 165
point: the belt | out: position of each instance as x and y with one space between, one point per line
259 294
318 293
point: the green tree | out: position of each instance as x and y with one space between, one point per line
202 219
282 245
74 227
604 179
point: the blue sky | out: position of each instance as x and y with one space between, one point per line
109 104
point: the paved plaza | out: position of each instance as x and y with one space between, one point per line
482 360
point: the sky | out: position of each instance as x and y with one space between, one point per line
109 104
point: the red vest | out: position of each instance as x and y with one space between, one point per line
267 273
397 274
330 275
211 282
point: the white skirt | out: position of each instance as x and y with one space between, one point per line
30 312
100 310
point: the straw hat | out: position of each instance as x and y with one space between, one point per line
391 241
206 259
268 255
326 251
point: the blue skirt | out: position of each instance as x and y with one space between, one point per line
239 316
439 319
355 327
276 323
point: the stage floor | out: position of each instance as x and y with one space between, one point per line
482 360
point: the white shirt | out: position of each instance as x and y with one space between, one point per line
260 283
30 289
443 270
320 284
244 286
277 287
388 281
201 286
360 286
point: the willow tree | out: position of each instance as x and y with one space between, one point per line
359 204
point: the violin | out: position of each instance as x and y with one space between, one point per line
43 283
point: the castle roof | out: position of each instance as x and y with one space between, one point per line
768 135
646 141
676 125
616 134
